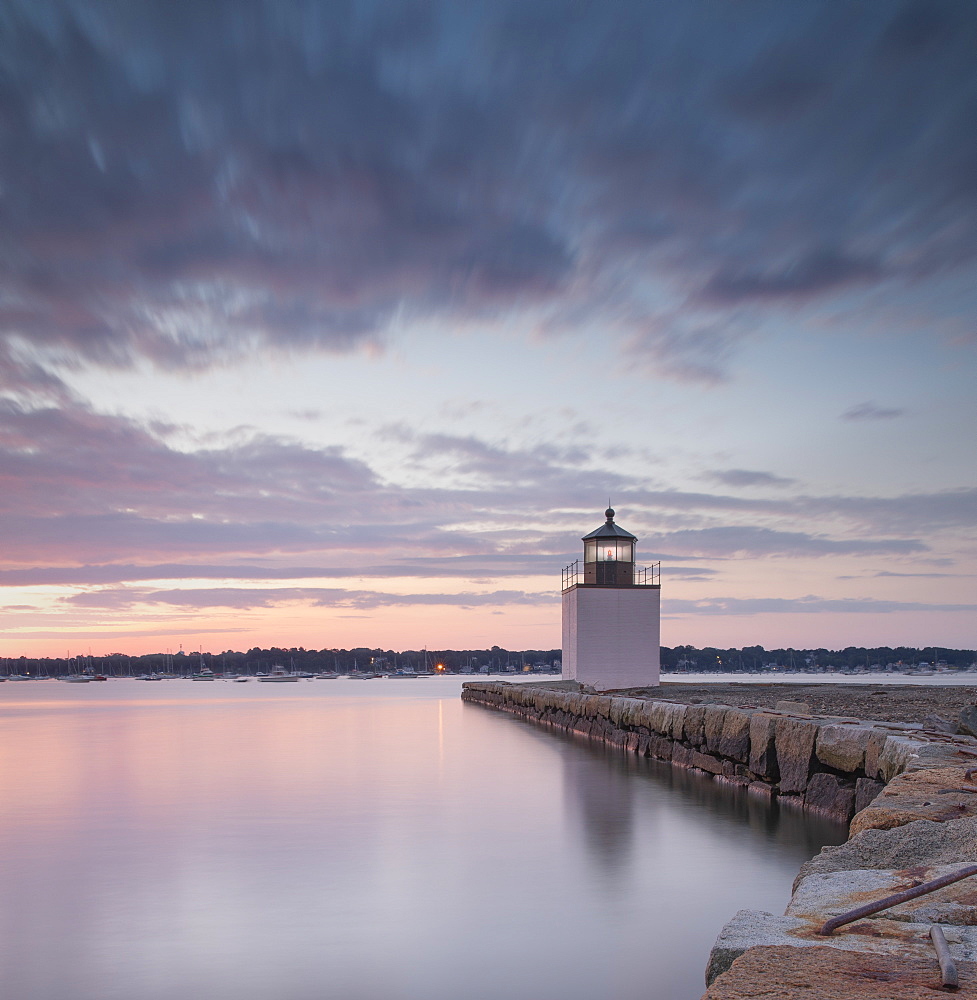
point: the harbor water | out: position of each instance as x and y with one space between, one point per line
369 840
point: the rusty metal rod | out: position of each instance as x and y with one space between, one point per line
894 900
948 971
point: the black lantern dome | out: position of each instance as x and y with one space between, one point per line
608 554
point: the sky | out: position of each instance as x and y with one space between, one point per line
337 324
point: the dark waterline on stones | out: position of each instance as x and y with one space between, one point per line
375 842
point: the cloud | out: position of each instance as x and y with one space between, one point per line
746 477
244 599
728 542
684 345
484 565
908 576
871 411
116 634
100 499
883 573
818 272
187 184
907 513
804 605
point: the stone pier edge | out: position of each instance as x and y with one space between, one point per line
877 776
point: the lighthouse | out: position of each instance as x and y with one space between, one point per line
611 613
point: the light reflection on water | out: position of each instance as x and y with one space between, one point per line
376 841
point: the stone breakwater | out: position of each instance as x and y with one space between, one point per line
910 795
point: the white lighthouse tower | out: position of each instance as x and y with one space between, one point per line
611 613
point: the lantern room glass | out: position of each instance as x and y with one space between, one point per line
608 550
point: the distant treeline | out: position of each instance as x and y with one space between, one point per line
751 658
675 659
296 658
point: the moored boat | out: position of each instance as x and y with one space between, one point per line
278 675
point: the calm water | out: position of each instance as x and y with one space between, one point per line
364 840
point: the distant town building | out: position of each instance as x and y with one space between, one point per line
611 613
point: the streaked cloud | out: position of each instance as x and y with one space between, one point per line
872 411
747 477
728 542
821 271
255 597
808 605
882 574
105 490
186 186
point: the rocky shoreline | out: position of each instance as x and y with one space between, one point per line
906 778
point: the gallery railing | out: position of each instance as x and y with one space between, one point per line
644 576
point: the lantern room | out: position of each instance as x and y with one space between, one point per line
608 555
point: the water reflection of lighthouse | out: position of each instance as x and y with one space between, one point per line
611 613
599 792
